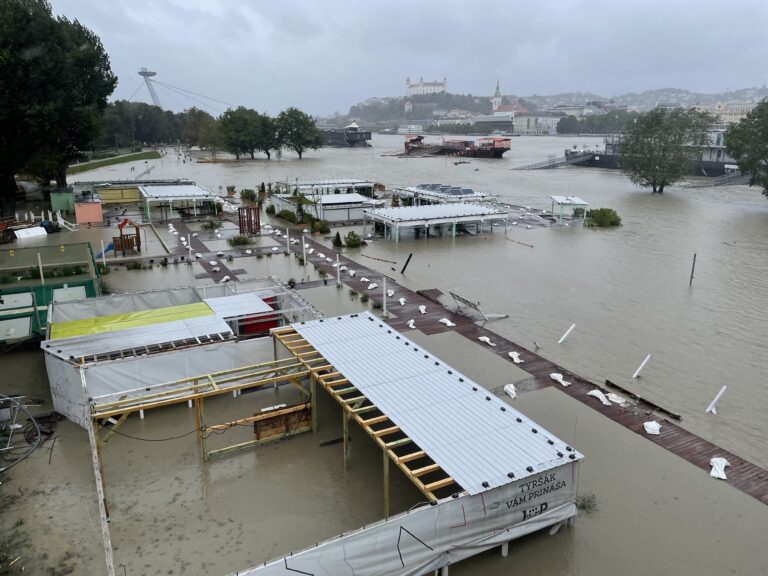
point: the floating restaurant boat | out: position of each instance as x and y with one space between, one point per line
493 147
345 137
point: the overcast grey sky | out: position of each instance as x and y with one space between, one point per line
325 55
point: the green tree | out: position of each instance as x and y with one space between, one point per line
297 131
747 142
236 132
395 201
569 125
267 136
660 147
337 243
353 240
56 78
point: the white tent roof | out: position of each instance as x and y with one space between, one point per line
435 212
478 439
354 198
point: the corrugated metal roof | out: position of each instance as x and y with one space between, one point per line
474 436
434 211
353 198
238 305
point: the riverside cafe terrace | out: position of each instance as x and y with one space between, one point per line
489 474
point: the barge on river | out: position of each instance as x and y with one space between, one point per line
349 136
493 147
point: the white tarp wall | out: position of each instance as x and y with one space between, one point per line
121 304
129 377
67 390
428 538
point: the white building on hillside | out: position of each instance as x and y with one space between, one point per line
421 87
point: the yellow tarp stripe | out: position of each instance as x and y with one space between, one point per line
116 322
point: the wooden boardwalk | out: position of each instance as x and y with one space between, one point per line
742 474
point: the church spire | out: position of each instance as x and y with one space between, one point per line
498 90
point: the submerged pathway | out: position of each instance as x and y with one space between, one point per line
742 474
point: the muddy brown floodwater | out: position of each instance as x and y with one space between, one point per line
626 290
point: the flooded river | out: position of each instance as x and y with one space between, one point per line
625 289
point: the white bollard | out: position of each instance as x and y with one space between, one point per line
711 408
338 272
103 254
637 372
141 414
567 332
189 245
189 403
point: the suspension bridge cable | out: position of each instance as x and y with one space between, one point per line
194 99
195 93
135 91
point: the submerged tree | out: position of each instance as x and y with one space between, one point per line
747 142
661 147
297 131
56 79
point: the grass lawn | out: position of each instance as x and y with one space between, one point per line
151 155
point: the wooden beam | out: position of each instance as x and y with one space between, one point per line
439 484
333 383
425 470
329 375
374 420
412 456
386 431
351 400
396 443
364 409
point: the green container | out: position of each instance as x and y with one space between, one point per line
64 201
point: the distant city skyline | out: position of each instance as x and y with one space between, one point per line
325 57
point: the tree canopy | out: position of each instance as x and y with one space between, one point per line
244 131
297 131
56 78
747 142
660 147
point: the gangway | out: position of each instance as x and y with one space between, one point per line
553 162
732 179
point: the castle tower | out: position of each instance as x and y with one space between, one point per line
496 99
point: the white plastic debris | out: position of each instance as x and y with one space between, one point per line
342 268
446 322
422 309
194 234
510 391
557 377
352 273
372 285
718 468
364 279
390 293
275 248
411 324
600 396
218 236
198 255
249 252
219 253
335 265
402 301
225 279
486 340
305 231
515 357
616 399
215 269
311 250
213 263
321 255
652 427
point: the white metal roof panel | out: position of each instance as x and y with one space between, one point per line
238 305
176 192
92 344
569 200
469 432
434 211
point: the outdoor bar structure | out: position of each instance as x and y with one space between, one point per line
440 194
489 474
335 186
571 202
188 199
439 216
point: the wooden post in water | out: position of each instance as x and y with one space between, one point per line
406 263
693 267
